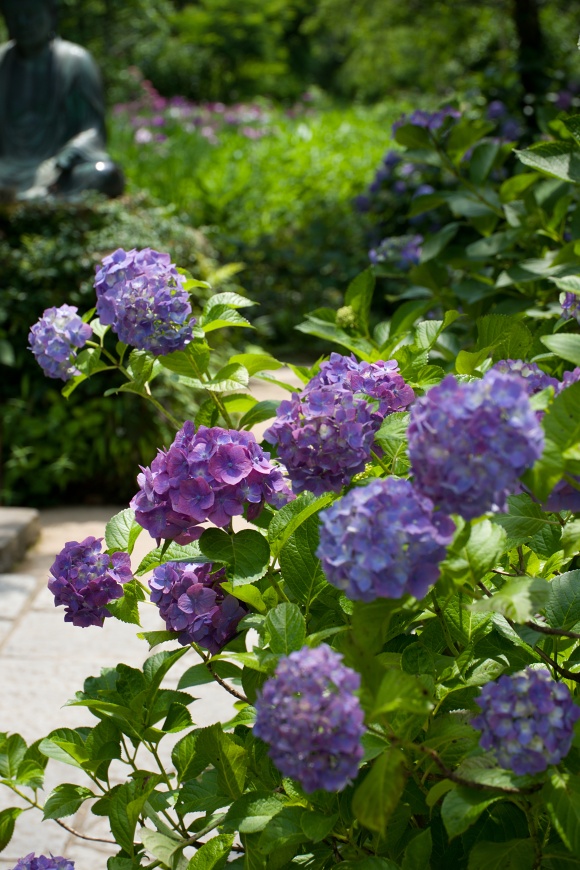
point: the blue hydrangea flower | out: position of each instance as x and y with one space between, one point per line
44 863
210 475
312 719
379 380
527 719
569 378
469 442
55 340
570 306
324 438
141 295
85 580
429 120
383 540
192 602
534 379
402 252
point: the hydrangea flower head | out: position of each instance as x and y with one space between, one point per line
570 306
55 340
403 252
429 120
85 580
469 442
379 380
192 602
31 862
141 295
569 378
324 437
208 474
383 540
534 379
528 719
312 719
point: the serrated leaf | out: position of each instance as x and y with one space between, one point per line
12 752
246 554
565 345
524 520
126 608
518 600
462 807
221 316
228 297
558 159
65 800
561 796
375 799
190 362
154 638
563 605
399 691
252 812
259 412
160 845
7 823
65 745
292 515
229 759
510 855
173 553
286 628
256 362
300 566
213 855
122 531
284 830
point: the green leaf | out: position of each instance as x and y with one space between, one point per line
376 798
256 362
563 605
286 628
413 137
126 608
126 805
317 826
392 439
462 807
188 757
229 379
261 411
367 864
160 845
229 759
300 565
122 531
141 365
359 296
154 638
7 823
12 752
473 558
173 553
232 300
283 830
213 855
65 745
199 674
524 520
291 516
509 337
190 362
519 599
400 691
559 159
220 316
65 800
565 345
252 812
561 796
246 554
248 594
467 362
438 241
509 855
418 852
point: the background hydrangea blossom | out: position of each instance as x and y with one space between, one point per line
469 442
312 719
528 719
85 580
192 602
570 306
206 475
324 437
383 540
31 862
534 379
55 340
140 294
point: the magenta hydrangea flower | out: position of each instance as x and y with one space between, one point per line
469 442
312 719
192 602
31 862
85 580
141 295
527 719
210 475
324 437
570 303
379 380
383 540
55 340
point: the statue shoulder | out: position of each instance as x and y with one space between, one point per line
5 49
75 59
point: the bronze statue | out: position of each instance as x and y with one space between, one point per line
52 131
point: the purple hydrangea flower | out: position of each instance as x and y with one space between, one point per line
469 442
570 306
403 252
55 340
569 378
528 719
429 120
141 295
564 497
534 379
192 602
324 438
206 475
312 719
383 540
43 863
85 580
379 380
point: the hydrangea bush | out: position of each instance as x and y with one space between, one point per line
388 587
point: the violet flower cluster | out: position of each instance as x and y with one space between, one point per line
206 475
312 719
141 295
55 340
383 540
402 252
528 719
469 442
55 862
192 602
379 380
324 437
429 120
570 306
85 580
533 378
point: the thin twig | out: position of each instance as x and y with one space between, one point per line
83 836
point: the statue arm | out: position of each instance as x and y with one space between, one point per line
85 111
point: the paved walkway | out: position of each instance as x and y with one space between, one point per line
44 661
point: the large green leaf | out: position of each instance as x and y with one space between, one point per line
376 797
462 807
213 855
300 565
561 796
359 295
173 553
559 159
65 800
519 599
524 520
246 554
565 345
122 531
510 855
252 812
229 759
400 691
12 752
286 521
7 823
286 628
563 605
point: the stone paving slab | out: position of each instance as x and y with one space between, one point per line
19 529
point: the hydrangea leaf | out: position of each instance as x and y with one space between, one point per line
190 362
375 799
199 675
524 520
462 807
558 159
368 864
252 812
256 362
65 745
65 800
160 845
173 553
221 316
283 830
229 759
563 605
509 337
400 691
510 855
418 852
246 554
359 295
7 823
127 608
292 515
317 826
213 855
12 752
286 628
259 412
201 795
517 600
228 298
565 345
300 565
189 761
122 531
470 559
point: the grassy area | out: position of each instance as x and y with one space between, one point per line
275 186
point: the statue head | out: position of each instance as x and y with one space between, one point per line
31 23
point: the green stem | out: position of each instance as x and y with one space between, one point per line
276 585
380 462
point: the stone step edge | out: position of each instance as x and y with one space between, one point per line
19 530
